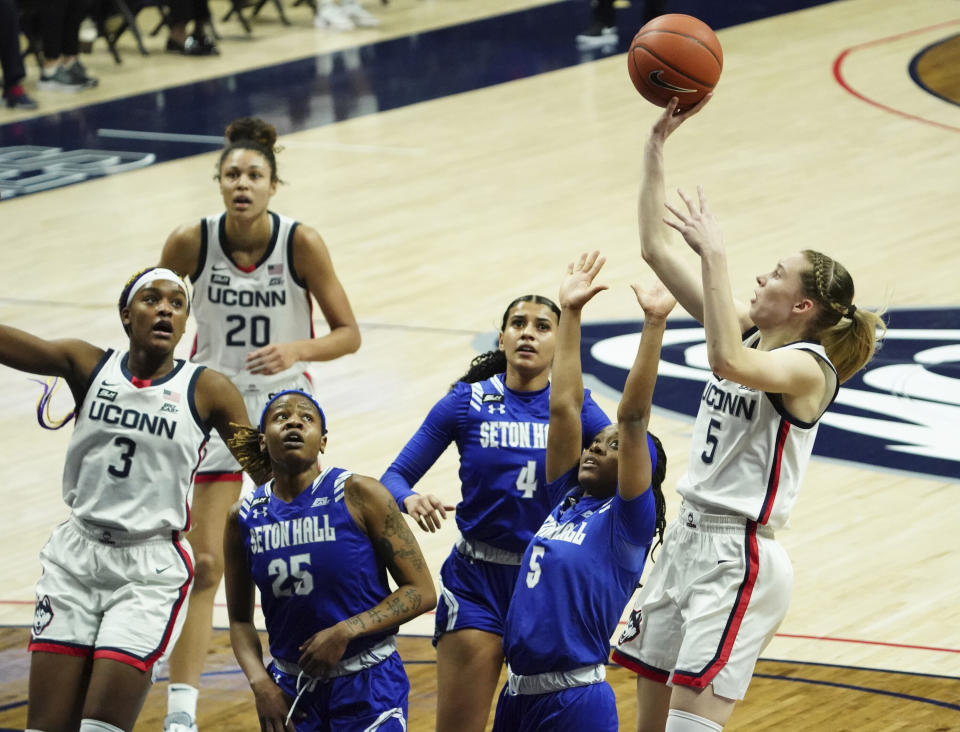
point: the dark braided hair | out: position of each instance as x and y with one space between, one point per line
849 344
252 133
656 485
495 362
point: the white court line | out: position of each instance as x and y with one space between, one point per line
214 140
160 136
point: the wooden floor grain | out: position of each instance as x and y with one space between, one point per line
784 697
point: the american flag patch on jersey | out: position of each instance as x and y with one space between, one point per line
171 396
275 269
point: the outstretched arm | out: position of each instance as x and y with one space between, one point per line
564 438
272 704
633 415
433 436
665 257
71 359
377 514
311 260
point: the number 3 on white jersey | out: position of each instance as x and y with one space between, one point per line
533 576
527 480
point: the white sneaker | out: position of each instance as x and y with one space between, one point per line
332 17
361 17
179 722
598 35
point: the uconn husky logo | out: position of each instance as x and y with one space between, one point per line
900 413
42 614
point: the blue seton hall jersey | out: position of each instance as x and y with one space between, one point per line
134 449
239 310
313 565
501 435
577 576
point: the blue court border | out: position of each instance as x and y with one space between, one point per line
319 90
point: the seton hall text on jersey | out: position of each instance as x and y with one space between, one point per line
246 298
514 434
566 531
293 532
733 404
132 419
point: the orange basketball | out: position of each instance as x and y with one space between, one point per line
675 55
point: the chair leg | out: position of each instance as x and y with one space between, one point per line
236 6
131 23
279 5
164 20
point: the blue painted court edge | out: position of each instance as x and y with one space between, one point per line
317 91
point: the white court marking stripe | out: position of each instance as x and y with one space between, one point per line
215 140
160 136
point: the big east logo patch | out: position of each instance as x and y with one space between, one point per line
902 412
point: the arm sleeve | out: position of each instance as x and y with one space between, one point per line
438 430
592 418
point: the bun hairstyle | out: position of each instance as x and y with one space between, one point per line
252 133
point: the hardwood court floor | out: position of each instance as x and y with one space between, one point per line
783 696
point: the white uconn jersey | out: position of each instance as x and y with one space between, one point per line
134 450
239 311
748 454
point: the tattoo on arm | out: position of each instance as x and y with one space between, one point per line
356 623
397 541
413 599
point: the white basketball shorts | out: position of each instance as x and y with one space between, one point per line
111 594
716 595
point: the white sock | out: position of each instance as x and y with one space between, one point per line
93 725
182 698
678 721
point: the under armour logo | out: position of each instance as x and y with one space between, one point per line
492 408
259 512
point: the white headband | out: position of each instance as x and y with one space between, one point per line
153 275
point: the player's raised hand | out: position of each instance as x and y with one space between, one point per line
577 287
656 300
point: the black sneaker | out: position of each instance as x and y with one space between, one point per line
59 80
78 72
194 46
597 35
16 98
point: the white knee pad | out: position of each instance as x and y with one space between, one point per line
678 721
93 725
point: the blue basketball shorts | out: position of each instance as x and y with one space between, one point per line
473 594
372 699
592 707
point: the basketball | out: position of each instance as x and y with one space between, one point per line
675 55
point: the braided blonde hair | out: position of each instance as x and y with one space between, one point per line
849 334
245 444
